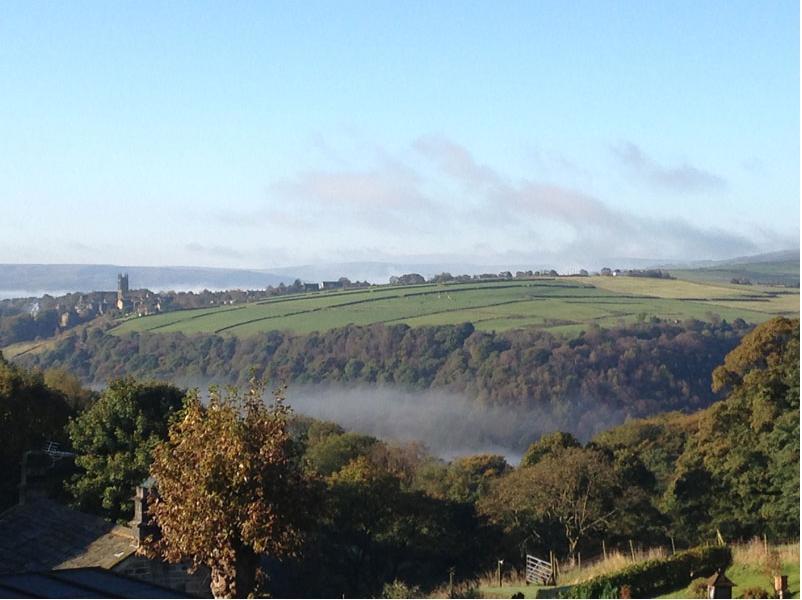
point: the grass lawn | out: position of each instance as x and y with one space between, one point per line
529 591
745 576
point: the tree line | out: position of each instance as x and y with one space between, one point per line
629 371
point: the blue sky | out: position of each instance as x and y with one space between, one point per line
271 134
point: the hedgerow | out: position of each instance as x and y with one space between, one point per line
652 577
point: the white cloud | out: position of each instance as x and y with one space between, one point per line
436 198
683 178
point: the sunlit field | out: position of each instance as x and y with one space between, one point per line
566 305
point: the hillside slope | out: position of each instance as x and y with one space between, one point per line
565 304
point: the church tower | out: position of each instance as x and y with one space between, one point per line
122 291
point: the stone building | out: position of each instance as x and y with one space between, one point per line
41 535
123 301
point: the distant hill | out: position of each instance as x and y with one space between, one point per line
36 279
31 279
380 272
775 268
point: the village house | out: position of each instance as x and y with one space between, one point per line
40 535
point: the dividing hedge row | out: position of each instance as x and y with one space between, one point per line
652 577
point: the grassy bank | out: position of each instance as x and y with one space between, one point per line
751 569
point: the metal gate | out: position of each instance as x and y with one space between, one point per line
538 571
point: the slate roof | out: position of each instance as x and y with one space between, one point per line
42 535
92 582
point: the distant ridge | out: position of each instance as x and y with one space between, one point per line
781 256
380 271
39 278
772 268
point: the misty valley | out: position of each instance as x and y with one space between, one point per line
411 460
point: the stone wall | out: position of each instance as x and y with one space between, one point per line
175 576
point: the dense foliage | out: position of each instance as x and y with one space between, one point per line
586 382
739 471
114 441
382 519
732 469
566 495
24 326
31 414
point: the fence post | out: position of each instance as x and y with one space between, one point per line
632 549
579 561
673 549
604 550
451 582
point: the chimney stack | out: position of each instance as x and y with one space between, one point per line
142 523
43 471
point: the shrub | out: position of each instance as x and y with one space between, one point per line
698 588
652 577
399 589
755 592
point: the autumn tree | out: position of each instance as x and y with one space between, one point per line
739 473
572 491
329 454
230 488
548 445
61 380
468 478
114 441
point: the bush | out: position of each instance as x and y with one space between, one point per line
399 589
652 577
698 588
755 592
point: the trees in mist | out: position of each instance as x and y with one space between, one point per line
633 370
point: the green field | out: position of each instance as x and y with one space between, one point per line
751 577
561 304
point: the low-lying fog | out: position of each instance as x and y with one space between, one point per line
449 424
446 423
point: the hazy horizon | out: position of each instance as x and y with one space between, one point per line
35 280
